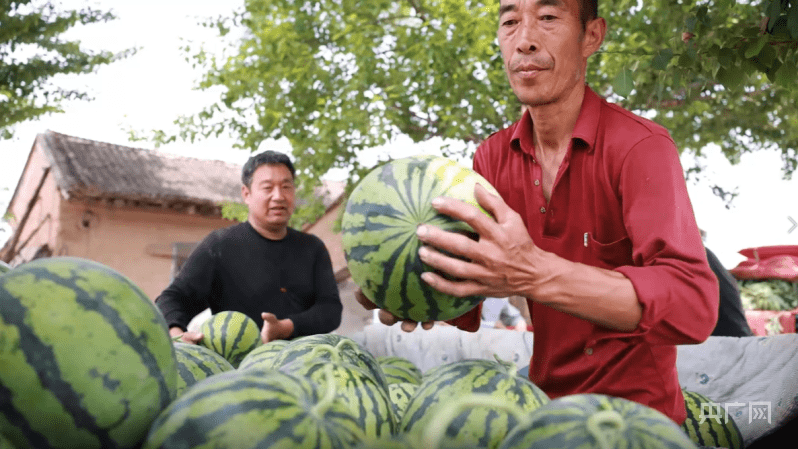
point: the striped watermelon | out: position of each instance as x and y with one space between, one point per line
263 356
87 361
253 409
195 362
379 233
399 370
477 426
368 400
713 432
4 443
345 350
400 395
231 334
596 421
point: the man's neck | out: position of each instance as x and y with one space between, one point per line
553 124
269 233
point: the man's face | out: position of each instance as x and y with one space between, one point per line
270 197
543 46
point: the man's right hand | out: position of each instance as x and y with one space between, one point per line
185 337
387 318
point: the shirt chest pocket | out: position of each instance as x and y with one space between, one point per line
609 255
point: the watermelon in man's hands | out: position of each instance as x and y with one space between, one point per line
379 234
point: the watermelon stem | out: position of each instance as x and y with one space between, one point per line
607 427
508 366
335 357
326 401
434 433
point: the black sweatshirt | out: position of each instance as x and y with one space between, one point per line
731 317
236 268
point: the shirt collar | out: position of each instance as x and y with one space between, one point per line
584 131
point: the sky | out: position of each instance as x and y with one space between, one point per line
150 89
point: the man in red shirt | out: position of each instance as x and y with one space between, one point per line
594 225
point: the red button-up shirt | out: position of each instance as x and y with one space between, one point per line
619 202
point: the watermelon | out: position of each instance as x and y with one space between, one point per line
195 362
256 408
400 395
596 421
231 334
345 350
368 399
379 239
714 431
399 370
87 361
4 443
263 356
4 267
476 426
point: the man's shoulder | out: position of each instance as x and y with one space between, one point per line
616 117
304 238
234 231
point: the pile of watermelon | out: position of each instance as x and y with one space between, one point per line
86 361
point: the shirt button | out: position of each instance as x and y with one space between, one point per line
537 182
542 210
283 289
589 351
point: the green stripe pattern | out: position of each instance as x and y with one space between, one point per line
253 408
483 427
231 334
263 356
714 431
379 233
87 361
368 400
596 421
195 362
345 350
399 370
400 394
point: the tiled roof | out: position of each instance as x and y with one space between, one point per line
95 170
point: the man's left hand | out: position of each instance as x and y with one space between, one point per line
275 329
501 263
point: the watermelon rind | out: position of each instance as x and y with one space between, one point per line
378 230
231 334
368 400
252 409
716 430
195 363
596 421
346 349
478 426
87 361
399 370
263 356
400 395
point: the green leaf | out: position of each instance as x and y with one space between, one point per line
756 46
731 78
726 57
792 20
661 59
773 12
690 23
623 84
787 75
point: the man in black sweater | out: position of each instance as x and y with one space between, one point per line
280 277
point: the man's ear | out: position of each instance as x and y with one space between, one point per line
595 30
245 193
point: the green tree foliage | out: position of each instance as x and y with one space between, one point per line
335 77
33 51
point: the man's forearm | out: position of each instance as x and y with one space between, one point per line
604 297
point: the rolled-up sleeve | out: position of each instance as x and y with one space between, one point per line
673 281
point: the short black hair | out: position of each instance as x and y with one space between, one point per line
268 157
588 10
